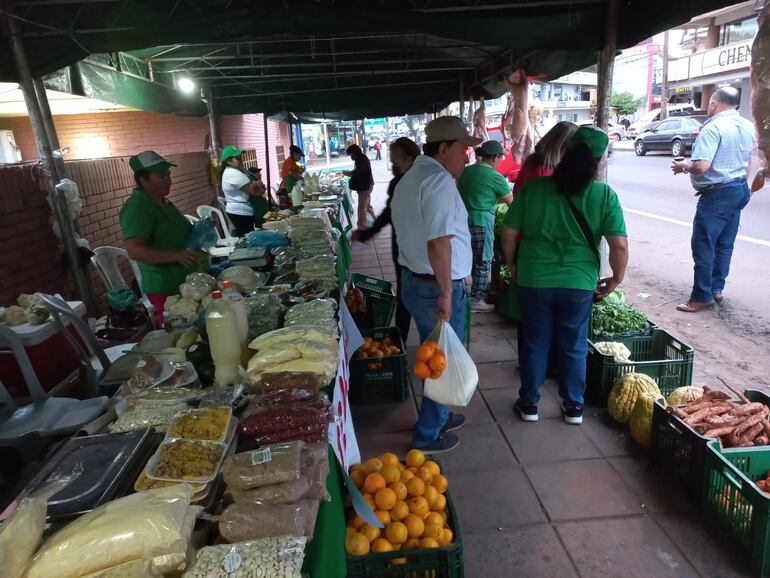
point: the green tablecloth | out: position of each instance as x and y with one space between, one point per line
325 555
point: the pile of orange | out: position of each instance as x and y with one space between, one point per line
431 360
407 498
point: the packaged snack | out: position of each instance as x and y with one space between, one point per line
243 521
272 464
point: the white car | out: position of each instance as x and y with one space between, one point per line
615 131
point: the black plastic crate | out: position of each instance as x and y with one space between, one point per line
680 450
380 380
381 301
665 358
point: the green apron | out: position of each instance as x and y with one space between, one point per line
488 216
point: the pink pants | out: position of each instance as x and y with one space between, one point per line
364 207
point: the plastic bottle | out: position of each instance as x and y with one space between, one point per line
235 299
224 341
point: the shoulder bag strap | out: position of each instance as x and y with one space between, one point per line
586 230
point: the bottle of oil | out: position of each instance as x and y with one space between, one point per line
224 341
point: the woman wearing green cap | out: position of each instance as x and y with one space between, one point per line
482 188
155 232
244 193
563 218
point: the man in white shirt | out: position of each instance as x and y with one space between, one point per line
434 243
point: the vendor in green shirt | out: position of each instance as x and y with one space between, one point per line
155 232
563 219
482 188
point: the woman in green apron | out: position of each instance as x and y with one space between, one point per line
482 188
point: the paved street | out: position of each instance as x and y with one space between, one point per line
659 209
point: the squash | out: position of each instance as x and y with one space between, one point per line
640 421
624 392
684 395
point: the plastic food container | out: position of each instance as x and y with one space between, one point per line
221 413
203 478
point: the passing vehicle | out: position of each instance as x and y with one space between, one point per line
650 117
675 134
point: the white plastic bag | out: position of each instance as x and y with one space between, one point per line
459 379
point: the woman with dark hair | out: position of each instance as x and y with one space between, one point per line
291 171
481 188
563 219
403 152
244 195
361 181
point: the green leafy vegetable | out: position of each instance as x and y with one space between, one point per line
614 315
505 273
500 211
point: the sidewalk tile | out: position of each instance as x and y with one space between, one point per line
628 548
386 417
658 491
482 447
491 350
705 546
549 440
373 446
501 402
476 412
501 374
494 499
531 551
493 330
578 489
610 437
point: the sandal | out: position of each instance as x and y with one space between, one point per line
694 306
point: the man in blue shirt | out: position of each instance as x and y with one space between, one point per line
717 169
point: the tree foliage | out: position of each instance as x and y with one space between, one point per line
625 103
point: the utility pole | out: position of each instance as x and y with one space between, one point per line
664 84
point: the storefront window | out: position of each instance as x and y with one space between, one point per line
739 31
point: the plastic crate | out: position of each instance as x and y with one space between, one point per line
388 382
660 355
736 503
443 562
681 450
381 301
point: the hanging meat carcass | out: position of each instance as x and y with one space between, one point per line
505 122
522 141
480 121
760 93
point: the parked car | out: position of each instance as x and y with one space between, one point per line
615 131
651 117
676 134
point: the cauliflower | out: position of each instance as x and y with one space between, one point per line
619 352
15 315
182 308
27 301
37 314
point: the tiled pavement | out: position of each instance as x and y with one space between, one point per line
547 499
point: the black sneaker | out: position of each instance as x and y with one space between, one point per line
455 421
526 411
444 443
573 414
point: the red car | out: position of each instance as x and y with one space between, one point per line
508 167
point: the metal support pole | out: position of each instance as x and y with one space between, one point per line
57 200
462 100
50 128
267 163
326 140
664 88
208 95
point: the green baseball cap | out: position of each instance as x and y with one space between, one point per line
230 151
492 148
593 137
149 161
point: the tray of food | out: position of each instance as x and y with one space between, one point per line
191 461
206 424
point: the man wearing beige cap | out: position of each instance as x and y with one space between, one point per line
434 243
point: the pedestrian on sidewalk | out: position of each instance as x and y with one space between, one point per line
434 249
362 182
481 189
717 168
378 149
403 153
563 219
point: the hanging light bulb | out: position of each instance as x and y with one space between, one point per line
185 84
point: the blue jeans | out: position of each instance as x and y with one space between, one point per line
713 236
420 297
558 316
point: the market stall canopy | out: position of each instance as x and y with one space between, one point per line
352 57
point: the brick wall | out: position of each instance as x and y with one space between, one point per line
115 134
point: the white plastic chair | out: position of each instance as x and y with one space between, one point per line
192 220
26 428
96 360
105 259
222 204
226 239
